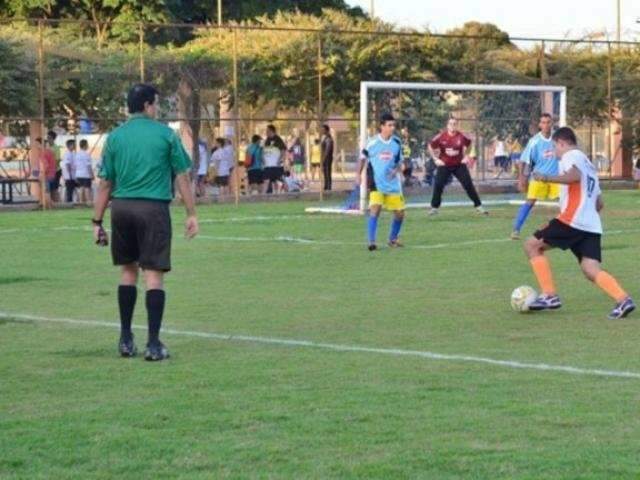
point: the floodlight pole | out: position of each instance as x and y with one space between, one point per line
42 108
141 51
320 110
619 23
236 124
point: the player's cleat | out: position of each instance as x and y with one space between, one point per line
481 210
515 235
622 309
432 211
127 347
372 247
156 352
546 302
395 243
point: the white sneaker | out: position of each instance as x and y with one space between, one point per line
481 210
432 211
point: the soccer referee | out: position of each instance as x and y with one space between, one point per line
138 162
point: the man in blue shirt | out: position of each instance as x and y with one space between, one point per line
539 155
383 156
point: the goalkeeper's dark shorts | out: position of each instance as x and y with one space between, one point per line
141 233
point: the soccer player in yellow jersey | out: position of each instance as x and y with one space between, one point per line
540 157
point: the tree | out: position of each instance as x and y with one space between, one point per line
206 10
107 18
17 86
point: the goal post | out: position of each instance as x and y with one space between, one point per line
369 86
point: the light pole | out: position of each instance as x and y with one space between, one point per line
220 13
619 23
372 9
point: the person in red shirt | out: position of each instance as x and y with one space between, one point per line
45 160
448 150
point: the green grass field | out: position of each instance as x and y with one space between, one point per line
235 408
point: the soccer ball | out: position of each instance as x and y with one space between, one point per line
522 297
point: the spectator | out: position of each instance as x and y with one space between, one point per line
516 152
84 172
43 167
203 167
500 157
253 163
316 158
292 184
55 185
68 166
229 154
224 165
297 156
273 155
410 156
327 156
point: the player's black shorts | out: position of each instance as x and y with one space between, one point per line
222 181
141 232
560 235
83 182
273 174
501 161
255 176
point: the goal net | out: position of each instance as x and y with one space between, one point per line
498 119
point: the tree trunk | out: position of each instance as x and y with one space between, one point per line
185 113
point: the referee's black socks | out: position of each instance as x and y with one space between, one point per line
127 295
155 310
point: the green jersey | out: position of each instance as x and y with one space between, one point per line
141 157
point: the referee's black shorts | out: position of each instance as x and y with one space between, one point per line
141 233
582 244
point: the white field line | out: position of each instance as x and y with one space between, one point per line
308 241
257 218
434 246
514 364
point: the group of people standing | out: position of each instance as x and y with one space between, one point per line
72 166
267 165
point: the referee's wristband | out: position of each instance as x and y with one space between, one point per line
97 223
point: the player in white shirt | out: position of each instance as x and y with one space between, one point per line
500 157
223 160
84 172
68 167
203 168
578 227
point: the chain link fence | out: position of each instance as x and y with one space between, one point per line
230 82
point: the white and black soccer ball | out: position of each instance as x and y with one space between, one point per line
522 298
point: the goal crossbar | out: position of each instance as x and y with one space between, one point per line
480 87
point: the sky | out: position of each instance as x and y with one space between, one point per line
519 18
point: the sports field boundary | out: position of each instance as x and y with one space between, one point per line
396 352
